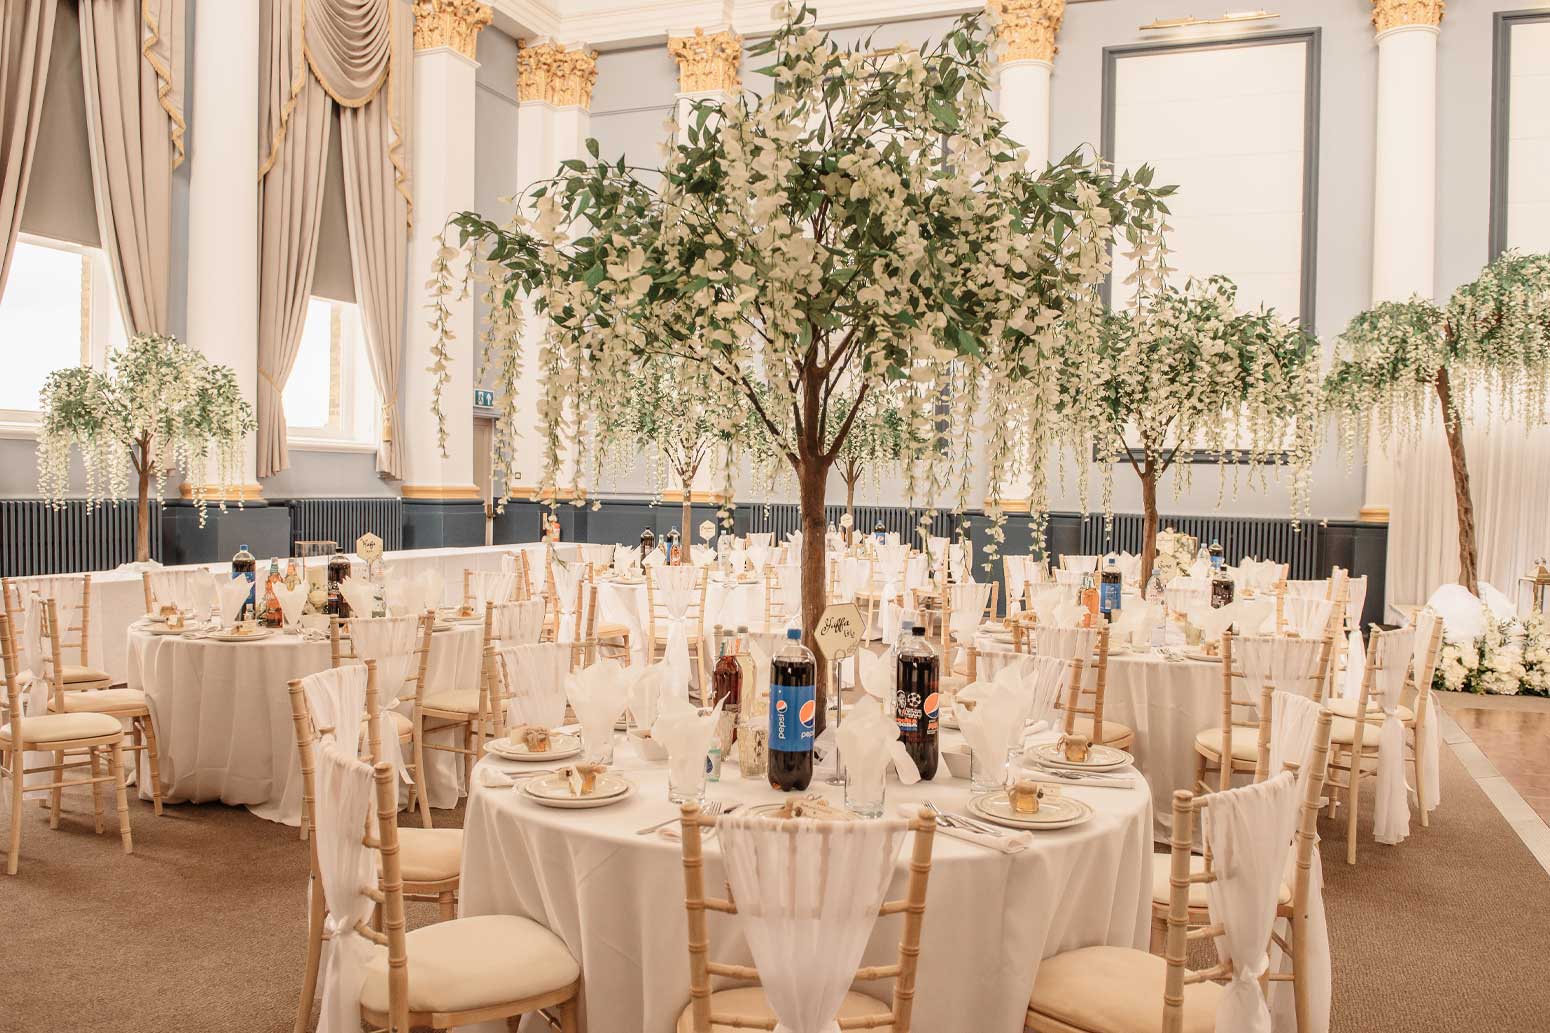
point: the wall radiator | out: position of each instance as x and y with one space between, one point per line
344 520
1261 538
36 538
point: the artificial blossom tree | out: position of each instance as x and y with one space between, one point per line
160 406
877 440
1490 344
863 222
1185 372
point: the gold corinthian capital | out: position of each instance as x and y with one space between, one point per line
449 23
707 63
1027 28
550 72
1392 14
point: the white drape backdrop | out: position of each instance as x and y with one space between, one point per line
1510 485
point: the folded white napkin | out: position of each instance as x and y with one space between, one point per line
233 594
1010 843
1068 615
645 685
876 673
995 724
1135 624
597 695
685 734
869 742
292 601
1045 602
490 778
653 558
360 594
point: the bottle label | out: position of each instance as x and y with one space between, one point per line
793 711
1109 596
909 706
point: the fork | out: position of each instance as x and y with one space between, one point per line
710 810
959 821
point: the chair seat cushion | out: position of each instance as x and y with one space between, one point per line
1342 732
1347 708
1245 742
457 701
430 855
750 1001
72 673
47 728
471 963
611 631
1162 870
104 701
1113 990
1113 731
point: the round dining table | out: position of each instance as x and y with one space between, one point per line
1165 696
223 714
616 897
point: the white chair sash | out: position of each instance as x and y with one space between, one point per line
788 593
345 795
1014 574
1391 807
761 539
1307 616
533 675
39 659
1067 578
1249 830
337 700
566 577
185 589
1293 721
491 586
1065 643
1428 745
1286 663
807 894
518 623
1316 973
1079 564
390 641
676 588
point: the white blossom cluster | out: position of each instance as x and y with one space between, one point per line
1511 657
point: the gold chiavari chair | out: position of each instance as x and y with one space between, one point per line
1088 719
611 640
431 859
659 619
122 705
98 736
713 1011
1119 989
448 974
75 627
411 731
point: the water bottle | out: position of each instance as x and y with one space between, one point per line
1110 589
793 714
1215 552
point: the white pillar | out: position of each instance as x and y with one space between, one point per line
223 202
1024 88
444 92
1404 221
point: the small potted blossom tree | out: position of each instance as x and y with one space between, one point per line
161 405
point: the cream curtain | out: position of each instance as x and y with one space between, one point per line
132 63
357 54
26 38
1510 486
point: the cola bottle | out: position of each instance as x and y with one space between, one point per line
243 565
793 714
915 700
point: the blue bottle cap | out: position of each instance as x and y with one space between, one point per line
793 633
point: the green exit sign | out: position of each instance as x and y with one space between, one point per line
484 398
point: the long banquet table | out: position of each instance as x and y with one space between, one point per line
223 715
118 598
616 898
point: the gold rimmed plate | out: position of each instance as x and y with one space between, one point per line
1055 812
555 791
561 746
232 636
1099 758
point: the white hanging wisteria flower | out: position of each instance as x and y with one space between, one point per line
865 222
161 406
1485 354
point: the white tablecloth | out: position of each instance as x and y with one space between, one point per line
118 597
1165 701
616 898
223 715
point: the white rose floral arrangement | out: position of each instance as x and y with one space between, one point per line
1511 658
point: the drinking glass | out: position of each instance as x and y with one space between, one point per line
864 796
987 772
686 782
597 749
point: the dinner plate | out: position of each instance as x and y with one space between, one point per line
441 626
231 636
629 581
554 791
162 629
1055 812
1099 758
561 745
770 810
1202 657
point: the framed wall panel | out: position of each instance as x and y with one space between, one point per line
1235 124
1520 132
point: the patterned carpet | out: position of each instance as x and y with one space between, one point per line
202 928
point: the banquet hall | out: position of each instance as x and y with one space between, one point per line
683 516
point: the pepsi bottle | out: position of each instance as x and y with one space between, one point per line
793 714
915 700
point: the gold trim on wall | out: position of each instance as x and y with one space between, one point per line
1374 514
677 495
457 492
1012 505
233 493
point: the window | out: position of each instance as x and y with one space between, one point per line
58 310
1520 125
330 397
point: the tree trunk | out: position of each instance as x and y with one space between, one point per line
143 518
812 475
851 476
686 554
1149 523
1453 427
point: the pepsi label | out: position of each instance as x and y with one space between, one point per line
793 710
910 707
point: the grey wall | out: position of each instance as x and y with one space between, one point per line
1464 140
495 124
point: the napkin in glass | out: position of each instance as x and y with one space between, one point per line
995 724
645 686
232 596
869 742
360 594
597 695
685 734
292 601
1135 624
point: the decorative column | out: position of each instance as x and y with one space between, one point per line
443 505
708 70
223 206
554 101
1027 30
1404 223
